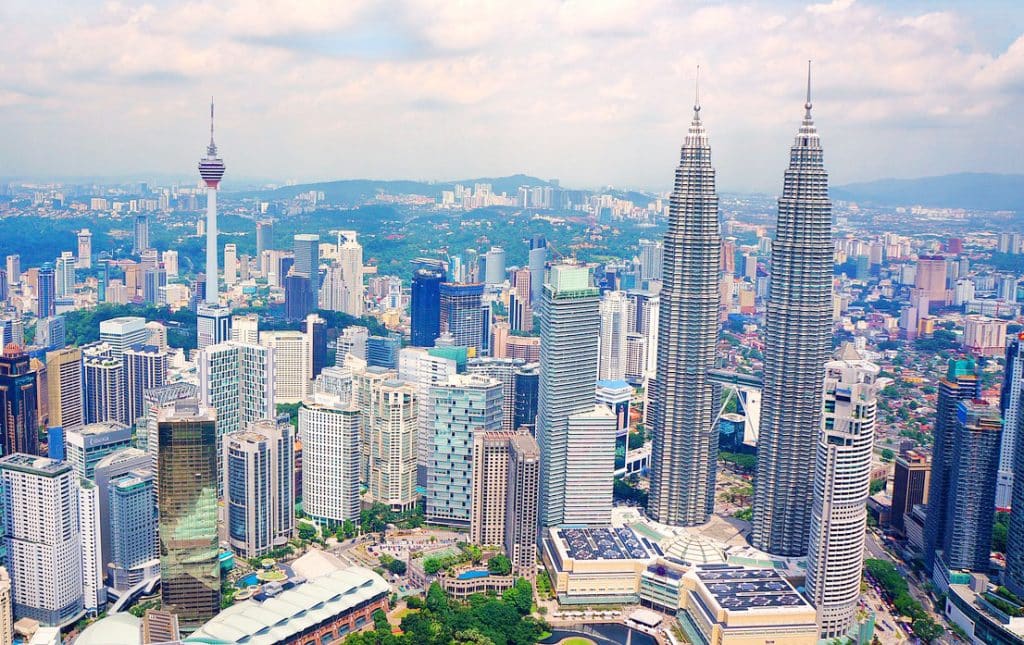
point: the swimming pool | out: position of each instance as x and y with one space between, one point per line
472 575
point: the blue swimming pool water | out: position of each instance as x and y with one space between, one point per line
471 575
247 581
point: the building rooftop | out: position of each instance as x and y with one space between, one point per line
34 465
281 617
742 589
603 544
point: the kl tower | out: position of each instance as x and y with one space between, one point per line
213 324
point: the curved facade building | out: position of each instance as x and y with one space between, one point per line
842 482
685 445
798 335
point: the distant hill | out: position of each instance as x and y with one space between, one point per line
358 190
976 191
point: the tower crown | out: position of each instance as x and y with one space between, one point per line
211 167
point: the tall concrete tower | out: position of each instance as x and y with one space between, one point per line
685 446
211 169
798 334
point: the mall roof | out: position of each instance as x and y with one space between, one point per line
741 589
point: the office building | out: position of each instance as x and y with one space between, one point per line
930 278
651 251
961 383
842 479
570 326
382 351
298 296
526 348
425 306
612 353
520 311
19 400
307 263
424 369
506 481
495 264
46 292
684 452
246 329
145 368
152 281
104 387
798 340
50 332
329 429
42 538
316 332
230 264
909 486
536 260
259 493
157 399
350 261
264 242
140 239
132 521
64 275
187 499
1011 405
86 446
13 263
122 333
466 403
169 258
64 388
213 324
292 364
526 389
504 370
123 462
392 436
462 313
967 538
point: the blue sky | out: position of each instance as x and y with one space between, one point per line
592 92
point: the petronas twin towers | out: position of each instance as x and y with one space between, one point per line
798 329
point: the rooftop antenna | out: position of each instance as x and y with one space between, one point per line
807 105
696 91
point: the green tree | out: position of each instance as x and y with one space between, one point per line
306 531
1000 530
500 565
437 599
888 455
397 567
520 596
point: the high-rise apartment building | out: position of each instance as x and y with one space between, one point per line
329 428
570 326
612 350
292 364
842 479
930 278
798 339
350 259
259 493
64 275
506 481
170 262
19 400
64 388
425 306
187 499
237 380
461 313
91 527
104 385
464 404
909 486
392 436
651 257
145 368
6 609
109 468
424 369
132 549
230 264
961 383
42 538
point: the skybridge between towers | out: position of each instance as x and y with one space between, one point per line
746 390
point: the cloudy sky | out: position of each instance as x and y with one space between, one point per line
592 92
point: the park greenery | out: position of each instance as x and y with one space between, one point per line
439 620
898 591
741 461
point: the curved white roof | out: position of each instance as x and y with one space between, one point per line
279 618
115 629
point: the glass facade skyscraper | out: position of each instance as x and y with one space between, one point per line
461 313
425 306
187 476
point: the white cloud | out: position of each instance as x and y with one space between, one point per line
590 91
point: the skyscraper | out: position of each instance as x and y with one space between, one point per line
569 338
392 438
424 370
145 368
425 306
842 478
504 370
140 239
85 447
465 403
1012 406
461 313
909 486
685 447
1011 398
298 296
652 256
123 332
612 357
42 538
316 332
211 169
264 242
46 292
307 262
350 259
525 391
213 324
536 260
330 434
103 383
64 385
132 524
19 400
798 335
259 493
91 527
961 383
187 476
64 275
293 367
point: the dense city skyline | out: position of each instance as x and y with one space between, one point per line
439 94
